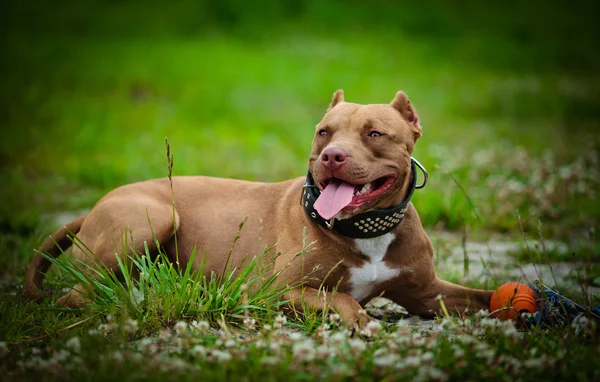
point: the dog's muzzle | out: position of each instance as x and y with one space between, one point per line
372 223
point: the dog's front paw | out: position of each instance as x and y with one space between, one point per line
360 322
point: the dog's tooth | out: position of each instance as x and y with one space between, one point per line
365 188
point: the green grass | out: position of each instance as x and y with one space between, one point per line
508 95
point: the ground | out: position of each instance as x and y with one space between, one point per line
508 97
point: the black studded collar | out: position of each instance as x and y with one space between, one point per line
372 223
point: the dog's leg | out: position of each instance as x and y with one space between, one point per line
121 227
425 301
345 305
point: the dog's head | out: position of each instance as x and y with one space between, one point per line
361 155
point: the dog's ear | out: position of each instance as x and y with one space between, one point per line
338 97
403 105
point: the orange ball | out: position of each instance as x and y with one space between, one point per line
512 299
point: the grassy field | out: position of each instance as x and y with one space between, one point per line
508 96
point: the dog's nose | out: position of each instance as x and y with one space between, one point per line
333 157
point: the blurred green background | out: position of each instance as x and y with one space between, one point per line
507 92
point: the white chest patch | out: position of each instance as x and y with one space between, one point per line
364 279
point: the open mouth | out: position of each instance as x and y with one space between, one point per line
363 192
337 194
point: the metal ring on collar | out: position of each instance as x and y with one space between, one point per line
425 176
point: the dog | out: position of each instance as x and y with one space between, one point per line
354 205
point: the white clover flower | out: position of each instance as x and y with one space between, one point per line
279 321
164 334
337 338
304 351
267 327
386 360
249 323
427 357
74 344
458 352
230 343
371 329
198 351
131 326
403 329
357 346
181 328
220 356
270 361
295 336
334 318
323 331
201 326
432 373
324 352
341 369
412 361
275 346
174 364
488 322
482 313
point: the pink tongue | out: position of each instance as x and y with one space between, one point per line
337 195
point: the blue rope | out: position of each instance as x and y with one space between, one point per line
555 309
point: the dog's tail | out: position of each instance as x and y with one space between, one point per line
58 242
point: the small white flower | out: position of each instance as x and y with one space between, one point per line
131 326
220 356
249 323
181 328
371 329
304 351
412 361
270 361
279 321
357 346
74 344
201 326
198 351
267 328
324 352
337 338
334 318
427 357
295 336
386 360
230 343
482 313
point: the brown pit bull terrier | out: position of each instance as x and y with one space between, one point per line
355 207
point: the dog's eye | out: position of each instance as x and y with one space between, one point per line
323 132
375 134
